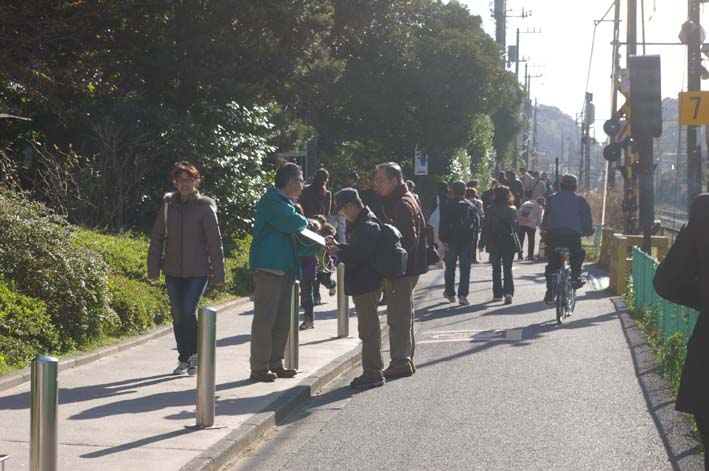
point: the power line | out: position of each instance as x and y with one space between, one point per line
590 59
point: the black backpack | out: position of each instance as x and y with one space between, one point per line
390 258
466 219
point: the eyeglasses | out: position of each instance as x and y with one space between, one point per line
180 181
381 180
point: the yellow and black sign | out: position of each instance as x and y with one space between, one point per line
693 108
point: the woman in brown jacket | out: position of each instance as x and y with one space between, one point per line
187 245
683 278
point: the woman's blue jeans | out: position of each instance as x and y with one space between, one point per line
184 294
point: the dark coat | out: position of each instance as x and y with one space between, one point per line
683 278
450 213
315 200
358 255
499 217
403 212
373 201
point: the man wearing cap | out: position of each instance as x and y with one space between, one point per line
567 217
362 281
401 210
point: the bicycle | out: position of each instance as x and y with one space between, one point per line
564 292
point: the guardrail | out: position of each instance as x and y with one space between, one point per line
671 318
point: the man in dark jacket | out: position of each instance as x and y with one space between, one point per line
362 281
516 187
567 217
402 211
460 223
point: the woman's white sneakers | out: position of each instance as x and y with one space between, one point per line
189 366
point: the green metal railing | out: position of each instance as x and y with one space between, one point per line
671 318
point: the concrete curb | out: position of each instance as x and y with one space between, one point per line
677 437
241 438
23 375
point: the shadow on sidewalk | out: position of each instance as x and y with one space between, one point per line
88 393
137 443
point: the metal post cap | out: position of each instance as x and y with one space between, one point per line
46 359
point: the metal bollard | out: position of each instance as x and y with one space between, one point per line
44 398
343 307
206 369
291 356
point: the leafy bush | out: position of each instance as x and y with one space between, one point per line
125 256
26 329
37 254
138 305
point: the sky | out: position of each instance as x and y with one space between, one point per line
561 52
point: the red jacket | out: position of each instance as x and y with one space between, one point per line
403 212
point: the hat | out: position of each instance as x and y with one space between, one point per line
541 200
344 196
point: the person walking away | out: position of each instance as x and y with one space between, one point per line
683 278
460 223
516 187
362 281
402 211
487 195
187 245
500 229
273 260
471 194
537 187
526 179
567 217
529 216
316 198
434 220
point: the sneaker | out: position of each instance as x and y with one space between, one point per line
508 299
181 368
497 298
548 298
332 291
449 297
577 283
366 382
463 301
317 302
263 376
307 325
520 257
284 372
413 365
401 372
192 365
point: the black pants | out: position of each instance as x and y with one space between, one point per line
530 233
576 257
306 298
502 266
703 426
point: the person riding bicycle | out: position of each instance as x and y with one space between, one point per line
567 217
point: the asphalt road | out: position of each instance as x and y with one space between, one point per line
497 388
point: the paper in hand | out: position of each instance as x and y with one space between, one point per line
313 236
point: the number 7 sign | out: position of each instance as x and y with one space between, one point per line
693 108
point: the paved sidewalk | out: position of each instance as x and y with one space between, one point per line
128 412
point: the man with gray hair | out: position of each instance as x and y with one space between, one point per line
401 209
567 217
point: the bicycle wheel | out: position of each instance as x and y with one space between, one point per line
560 302
571 300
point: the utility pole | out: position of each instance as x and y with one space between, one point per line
500 14
517 57
615 68
589 116
694 150
535 166
630 205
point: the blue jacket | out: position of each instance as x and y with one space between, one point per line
275 245
568 212
358 255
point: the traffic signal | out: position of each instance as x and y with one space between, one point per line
645 96
612 152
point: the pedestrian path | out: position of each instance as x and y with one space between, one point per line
128 412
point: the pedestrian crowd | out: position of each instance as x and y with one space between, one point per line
377 229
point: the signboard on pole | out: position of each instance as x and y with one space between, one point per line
420 161
693 108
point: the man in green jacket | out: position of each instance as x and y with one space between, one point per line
273 259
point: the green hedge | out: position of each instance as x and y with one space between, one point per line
126 255
37 254
26 329
138 305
